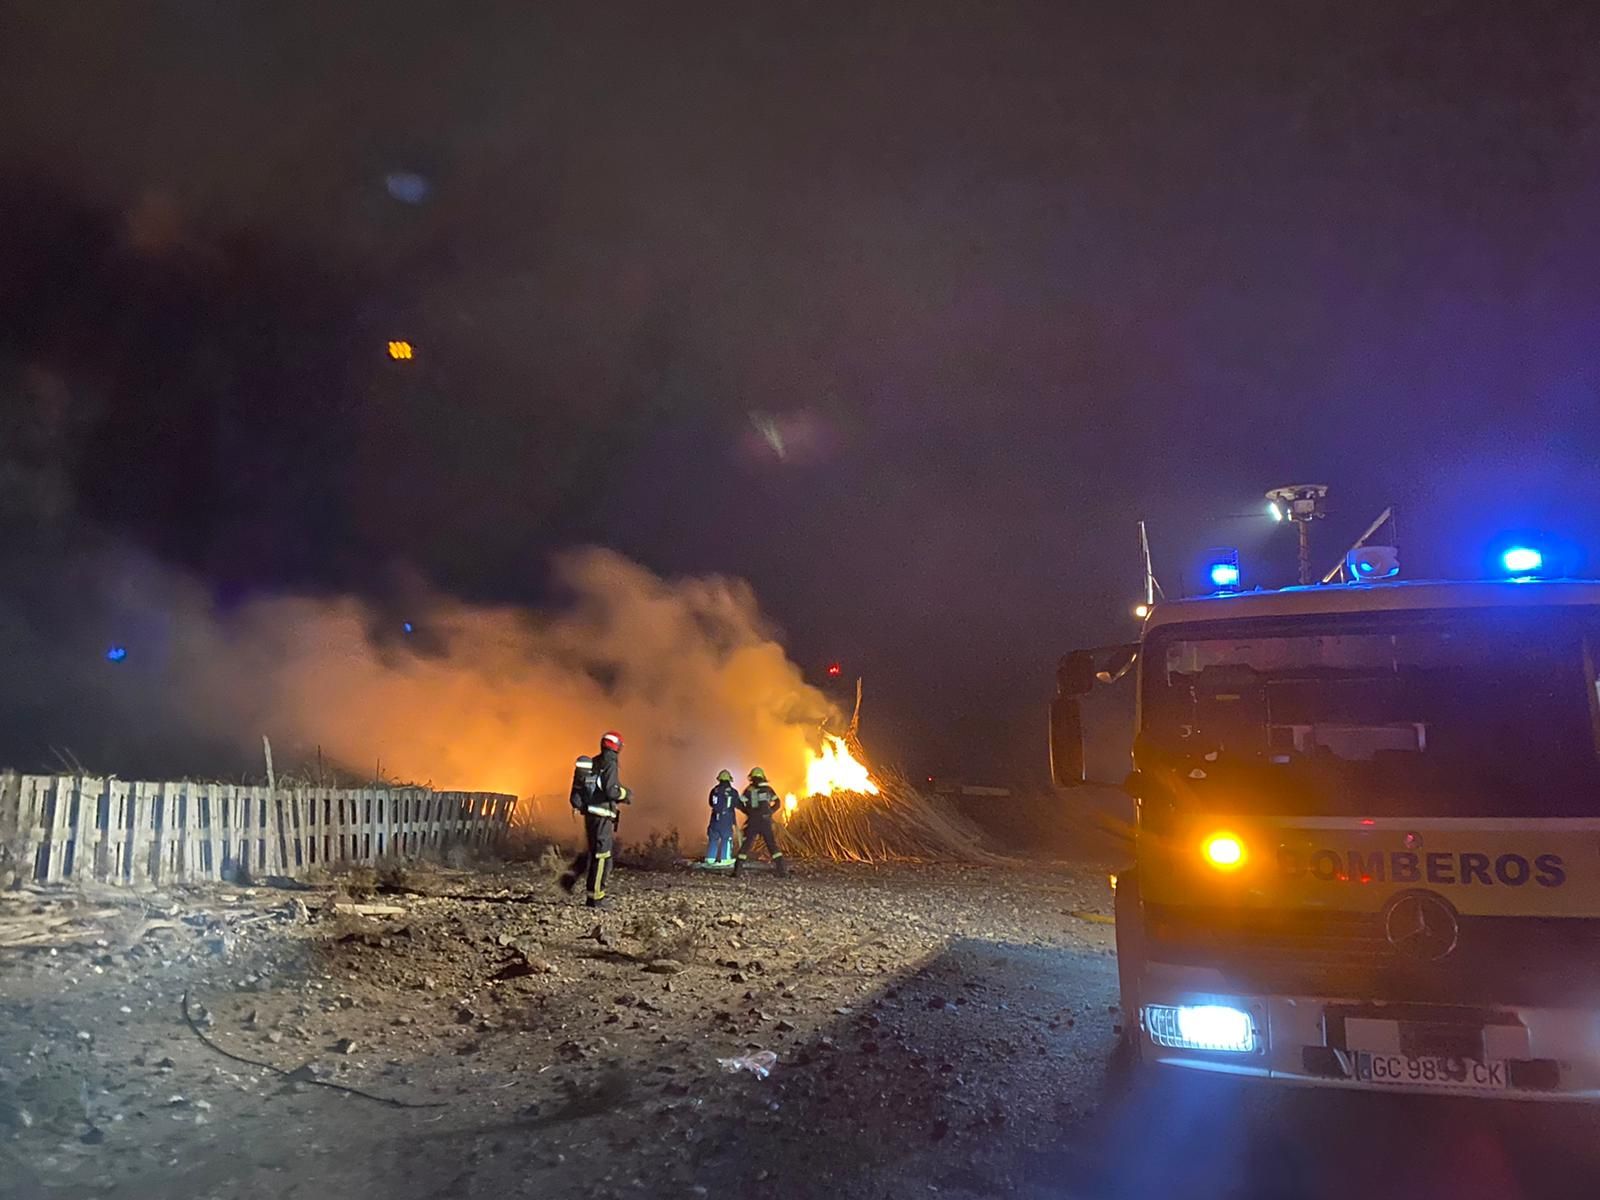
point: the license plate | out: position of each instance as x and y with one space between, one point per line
1400 1070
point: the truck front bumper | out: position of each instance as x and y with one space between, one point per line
1517 1052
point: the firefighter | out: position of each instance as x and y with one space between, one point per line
758 803
605 793
719 834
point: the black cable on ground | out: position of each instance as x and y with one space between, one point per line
297 1076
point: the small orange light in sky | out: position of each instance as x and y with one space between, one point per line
399 350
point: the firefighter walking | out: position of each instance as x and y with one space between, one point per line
598 794
758 803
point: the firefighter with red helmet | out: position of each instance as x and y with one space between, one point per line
759 803
598 794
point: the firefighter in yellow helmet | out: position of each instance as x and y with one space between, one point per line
724 801
758 803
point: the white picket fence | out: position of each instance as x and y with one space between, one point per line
74 827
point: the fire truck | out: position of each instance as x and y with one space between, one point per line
1366 831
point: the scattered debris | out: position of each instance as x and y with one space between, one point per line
368 910
295 910
759 1064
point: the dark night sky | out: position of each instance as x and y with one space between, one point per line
1010 275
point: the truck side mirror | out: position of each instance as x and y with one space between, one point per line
1119 664
1075 674
1066 741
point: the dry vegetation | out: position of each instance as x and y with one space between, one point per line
681 934
658 852
900 824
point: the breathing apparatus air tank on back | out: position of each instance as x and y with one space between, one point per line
585 784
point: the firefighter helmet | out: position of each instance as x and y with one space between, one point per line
611 740
724 776
757 775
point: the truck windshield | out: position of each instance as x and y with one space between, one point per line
1475 713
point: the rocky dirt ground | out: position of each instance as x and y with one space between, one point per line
936 1030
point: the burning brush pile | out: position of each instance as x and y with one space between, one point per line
848 815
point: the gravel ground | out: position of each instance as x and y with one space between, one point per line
938 1030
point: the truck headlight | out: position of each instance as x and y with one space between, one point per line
1201 1027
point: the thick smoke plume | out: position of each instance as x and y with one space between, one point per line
495 699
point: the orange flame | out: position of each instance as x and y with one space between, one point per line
834 769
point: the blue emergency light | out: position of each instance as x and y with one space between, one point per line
1222 569
1367 563
1522 561
116 654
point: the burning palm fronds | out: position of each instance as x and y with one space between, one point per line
892 823
849 814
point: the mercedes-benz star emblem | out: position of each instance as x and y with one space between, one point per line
1421 926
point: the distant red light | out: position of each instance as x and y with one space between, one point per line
1368 821
834 669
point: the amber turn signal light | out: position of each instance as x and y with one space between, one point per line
1224 851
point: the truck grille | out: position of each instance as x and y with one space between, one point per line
1497 960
